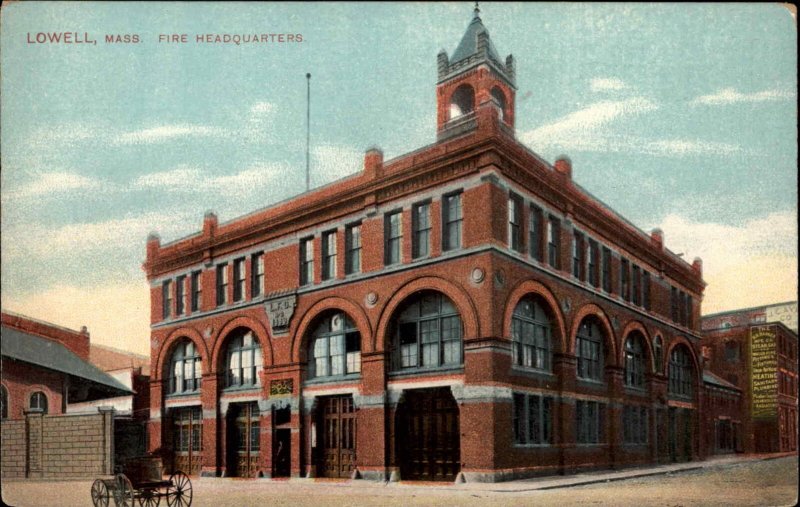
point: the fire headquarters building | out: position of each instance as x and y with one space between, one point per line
462 312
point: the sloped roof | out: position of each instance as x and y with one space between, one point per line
469 42
710 378
52 355
107 359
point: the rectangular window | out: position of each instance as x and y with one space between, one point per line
222 284
393 234
451 222
637 285
515 223
306 261
553 242
681 307
634 425
166 298
689 313
646 290
624 280
257 274
589 422
421 230
532 419
673 304
577 255
238 279
535 233
606 267
591 266
197 290
180 295
329 255
352 240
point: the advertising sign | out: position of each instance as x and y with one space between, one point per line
763 372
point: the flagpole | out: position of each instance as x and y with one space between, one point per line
308 129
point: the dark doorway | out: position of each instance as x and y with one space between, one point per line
428 439
244 440
281 452
337 456
187 440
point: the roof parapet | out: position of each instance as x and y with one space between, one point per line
657 237
373 162
563 166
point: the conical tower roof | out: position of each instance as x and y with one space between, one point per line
469 42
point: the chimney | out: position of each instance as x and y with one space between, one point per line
153 245
373 162
697 266
563 166
209 223
657 237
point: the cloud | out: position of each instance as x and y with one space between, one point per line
748 264
168 132
261 108
592 130
731 96
331 162
183 179
50 183
604 84
117 314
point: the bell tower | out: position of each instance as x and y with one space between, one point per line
472 77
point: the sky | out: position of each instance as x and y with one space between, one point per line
677 116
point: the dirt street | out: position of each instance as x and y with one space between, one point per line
756 483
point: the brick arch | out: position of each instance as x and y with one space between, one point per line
460 299
681 340
250 323
632 326
354 311
172 339
49 394
525 288
588 310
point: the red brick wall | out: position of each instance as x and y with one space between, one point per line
76 341
22 380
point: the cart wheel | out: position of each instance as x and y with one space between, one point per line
100 494
179 493
123 493
149 498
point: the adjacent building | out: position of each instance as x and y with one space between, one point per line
463 312
760 359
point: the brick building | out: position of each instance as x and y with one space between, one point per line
760 359
466 311
45 368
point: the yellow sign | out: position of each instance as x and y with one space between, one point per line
763 373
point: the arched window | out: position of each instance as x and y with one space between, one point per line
462 101
680 372
531 336
634 361
589 350
4 402
334 348
500 98
658 354
186 369
243 359
427 332
38 401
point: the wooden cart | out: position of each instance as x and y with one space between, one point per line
142 481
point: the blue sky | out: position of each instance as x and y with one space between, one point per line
679 116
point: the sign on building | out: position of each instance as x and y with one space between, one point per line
763 372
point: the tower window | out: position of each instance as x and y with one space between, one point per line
462 101
500 99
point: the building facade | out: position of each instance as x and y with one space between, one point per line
466 311
761 361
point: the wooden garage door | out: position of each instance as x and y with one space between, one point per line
428 436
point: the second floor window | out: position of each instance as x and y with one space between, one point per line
335 348
577 255
606 267
257 274
306 261
186 369
421 225
680 372
589 349
197 290
166 298
553 242
238 279
530 336
514 223
427 332
535 233
243 360
393 234
634 362
329 255
180 294
222 284
451 222
593 273
352 254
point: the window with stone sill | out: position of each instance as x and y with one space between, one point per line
243 360
531 332
426 333
334 348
